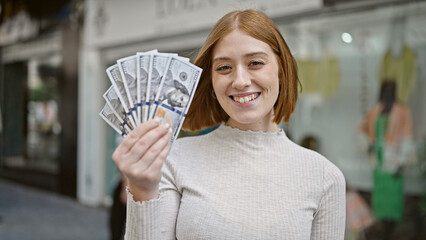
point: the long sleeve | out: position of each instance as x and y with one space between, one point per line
233 184
329 219
155 219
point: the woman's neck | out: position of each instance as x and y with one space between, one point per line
256 127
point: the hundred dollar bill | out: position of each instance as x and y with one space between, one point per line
113 101
143 66
127 67
175 93
160 63
108 115
114 75
185 59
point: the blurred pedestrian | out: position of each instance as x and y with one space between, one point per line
389 129
117 213
1 123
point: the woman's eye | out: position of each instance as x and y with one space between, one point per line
256 63
223 68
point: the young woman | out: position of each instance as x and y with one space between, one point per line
246 179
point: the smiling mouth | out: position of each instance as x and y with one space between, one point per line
245 99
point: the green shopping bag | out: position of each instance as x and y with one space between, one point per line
388 195
388 192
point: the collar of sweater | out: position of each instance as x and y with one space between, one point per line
248 137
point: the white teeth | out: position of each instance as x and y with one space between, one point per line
245 99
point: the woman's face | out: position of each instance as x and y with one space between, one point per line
245 81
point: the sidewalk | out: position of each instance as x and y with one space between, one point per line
32 214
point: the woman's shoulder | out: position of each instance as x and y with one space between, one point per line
318 161
306 153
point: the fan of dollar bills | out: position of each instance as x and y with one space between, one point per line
149 85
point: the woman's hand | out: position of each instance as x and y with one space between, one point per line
140 157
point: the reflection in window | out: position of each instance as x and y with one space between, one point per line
42 120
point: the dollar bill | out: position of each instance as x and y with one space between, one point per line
114 75
185 59
113 101
160 63
175 93
108 115
143 66
147 85
127 67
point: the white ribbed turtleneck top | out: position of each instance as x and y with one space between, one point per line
233 184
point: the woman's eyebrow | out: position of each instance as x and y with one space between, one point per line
251 54
256 54
221 59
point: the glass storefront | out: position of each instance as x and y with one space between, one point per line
32 129
343 59
39 106
43 126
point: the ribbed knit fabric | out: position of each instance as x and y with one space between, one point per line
233 184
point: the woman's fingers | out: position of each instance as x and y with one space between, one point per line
158 145
145 144
143 150
134 146
152 153
134 136
158 162
150 176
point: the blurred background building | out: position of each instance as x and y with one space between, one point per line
54 55
39 44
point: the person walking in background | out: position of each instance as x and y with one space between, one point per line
245 179
389 129
117 212
1 123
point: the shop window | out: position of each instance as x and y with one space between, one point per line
44 128
343 59
30 124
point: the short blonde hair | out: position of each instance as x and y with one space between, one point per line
205 110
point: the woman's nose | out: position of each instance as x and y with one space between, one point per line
241 79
